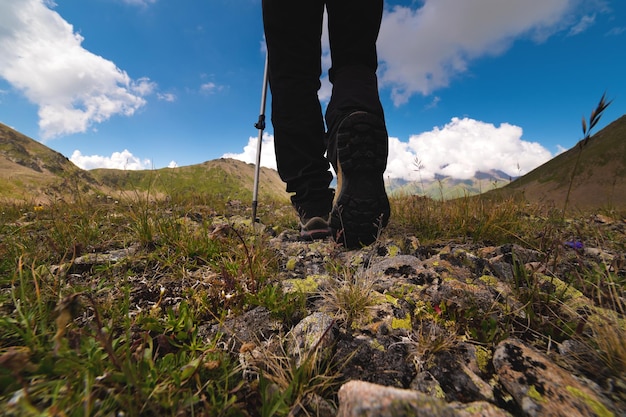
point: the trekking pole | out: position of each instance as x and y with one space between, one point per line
260 124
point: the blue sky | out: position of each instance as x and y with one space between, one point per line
466 86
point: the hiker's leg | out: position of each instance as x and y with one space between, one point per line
293 35
353 30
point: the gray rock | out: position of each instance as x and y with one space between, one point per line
380 360
313 333
254 326
400 265
479 409
425 382
364 399
541 388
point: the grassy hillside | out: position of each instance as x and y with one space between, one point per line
225 179
599 181
30 171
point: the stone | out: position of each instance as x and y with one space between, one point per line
364 399
541 388
313 333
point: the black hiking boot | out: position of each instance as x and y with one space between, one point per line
361 209
314 228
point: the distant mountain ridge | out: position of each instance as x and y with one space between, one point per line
442 187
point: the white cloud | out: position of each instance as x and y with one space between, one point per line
118 160
560 149
172 164
143 86
139 2
461 148
434 103
268 158
211 88
442 37
584 23
42 56
169 97
616 31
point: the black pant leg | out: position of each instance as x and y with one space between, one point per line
353 29
293 36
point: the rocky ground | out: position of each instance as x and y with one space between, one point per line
448 329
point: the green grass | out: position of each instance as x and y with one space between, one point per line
97 339
83 349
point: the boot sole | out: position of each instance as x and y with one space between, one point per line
361 209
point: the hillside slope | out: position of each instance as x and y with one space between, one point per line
599 182
224 178
30 171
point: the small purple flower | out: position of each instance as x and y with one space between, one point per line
574 244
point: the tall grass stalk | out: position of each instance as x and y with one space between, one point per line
594 118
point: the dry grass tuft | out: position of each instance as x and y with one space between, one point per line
350 298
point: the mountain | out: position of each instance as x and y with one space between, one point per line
30 171
599 181
446 188
229 179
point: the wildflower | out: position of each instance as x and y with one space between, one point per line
574 244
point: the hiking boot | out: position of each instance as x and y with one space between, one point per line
314 228
361 209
